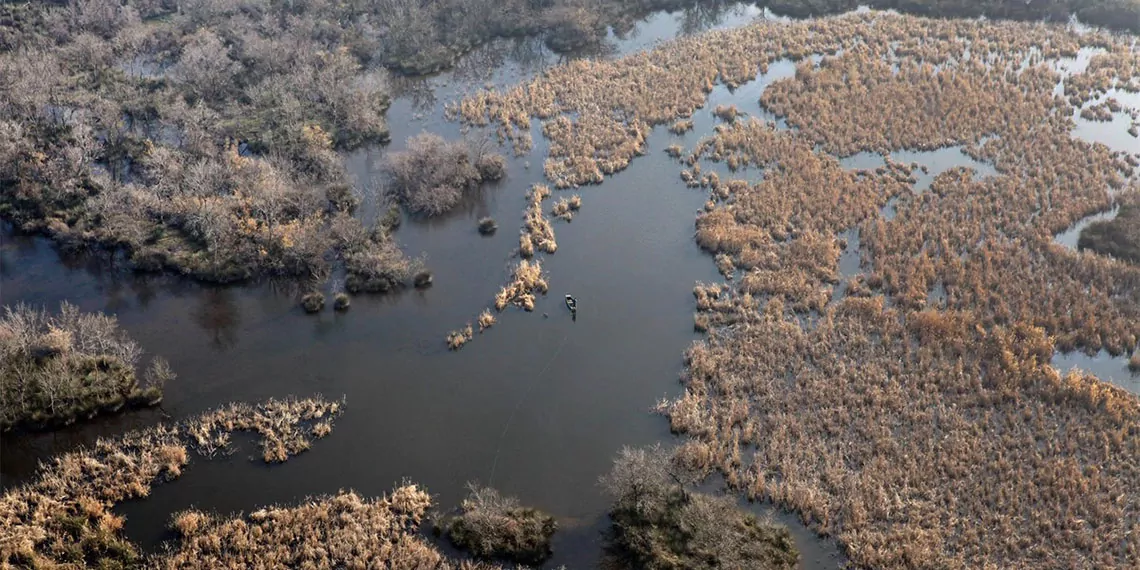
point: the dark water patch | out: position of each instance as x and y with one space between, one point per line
1072 235
1111 369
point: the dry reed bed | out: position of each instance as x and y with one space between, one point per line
537 234
597 114
64 515
921 437
344 530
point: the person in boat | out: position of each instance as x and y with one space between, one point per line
571 303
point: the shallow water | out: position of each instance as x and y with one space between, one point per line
1072 235
1113 369
537 406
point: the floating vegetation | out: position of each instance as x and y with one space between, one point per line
59 368
566 208
486 320
286 426
496 527
681 127
64 516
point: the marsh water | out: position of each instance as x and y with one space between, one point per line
537 406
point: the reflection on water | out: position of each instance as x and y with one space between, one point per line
1103 365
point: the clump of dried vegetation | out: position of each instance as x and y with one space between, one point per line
1119 237
486 320
660 524
64 517
286 427
56 368
496 527
432 175
343 530
457 338
537 234
565 208
917 436
527 280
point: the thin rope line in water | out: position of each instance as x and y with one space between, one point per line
518 404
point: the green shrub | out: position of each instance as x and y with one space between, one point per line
492 526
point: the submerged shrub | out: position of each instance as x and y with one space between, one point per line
487 226
492 526
432 175
57 368
313 301
342 301
486 319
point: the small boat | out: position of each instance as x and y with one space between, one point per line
572 304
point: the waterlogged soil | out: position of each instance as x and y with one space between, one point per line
537 406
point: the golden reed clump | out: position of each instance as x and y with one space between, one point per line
527 280
67 508
597 114
537 234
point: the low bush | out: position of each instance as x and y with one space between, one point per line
57 368
492 526
487 226
658 524
341 302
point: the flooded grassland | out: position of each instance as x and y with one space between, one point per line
917 417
